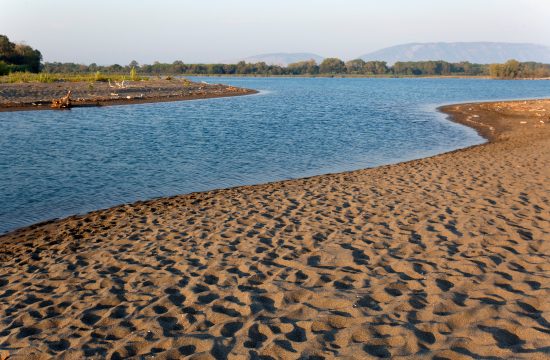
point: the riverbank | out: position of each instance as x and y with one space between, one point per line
38 96
445 256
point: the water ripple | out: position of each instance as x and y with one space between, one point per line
54 164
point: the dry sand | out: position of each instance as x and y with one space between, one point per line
443 258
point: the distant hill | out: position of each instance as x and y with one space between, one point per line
474 52
283 59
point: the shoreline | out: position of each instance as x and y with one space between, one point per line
481 130
442 256
98 94
450 110
358 76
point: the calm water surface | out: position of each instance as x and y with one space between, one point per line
54 164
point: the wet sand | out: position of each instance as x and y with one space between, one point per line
446 257
38 96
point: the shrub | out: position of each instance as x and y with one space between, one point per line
4 70
45 78
99 77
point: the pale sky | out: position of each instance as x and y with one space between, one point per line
118 31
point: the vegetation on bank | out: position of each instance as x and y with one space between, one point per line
328 67
21 63
513 69
18 57
45 77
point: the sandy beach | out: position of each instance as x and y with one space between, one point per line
446 257
38 96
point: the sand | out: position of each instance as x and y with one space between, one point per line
442 258
38 96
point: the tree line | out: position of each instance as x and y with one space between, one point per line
18 57
514 69
21 57
328 67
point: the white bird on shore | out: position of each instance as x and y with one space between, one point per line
119 85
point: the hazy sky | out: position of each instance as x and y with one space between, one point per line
118 31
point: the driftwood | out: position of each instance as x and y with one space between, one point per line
63 103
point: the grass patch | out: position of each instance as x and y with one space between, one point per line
26 77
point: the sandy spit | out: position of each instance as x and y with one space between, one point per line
38 96
446 257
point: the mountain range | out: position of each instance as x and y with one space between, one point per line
474 52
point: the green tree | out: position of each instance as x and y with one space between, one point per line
178 67
355 66
4 69
375 68
115 68
402 68
229 69
332 66
511 69
495 70
19 57
26 55
308 67
216 69
7 48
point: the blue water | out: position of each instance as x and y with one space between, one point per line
57 163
